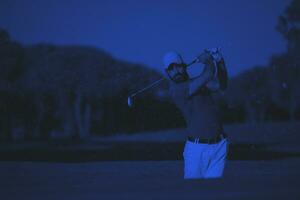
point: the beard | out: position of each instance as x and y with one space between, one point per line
180 77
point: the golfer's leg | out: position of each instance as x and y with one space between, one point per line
192 161
217 161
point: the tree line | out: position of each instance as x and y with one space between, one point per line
272 92
49 91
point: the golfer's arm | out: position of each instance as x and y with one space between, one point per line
206 75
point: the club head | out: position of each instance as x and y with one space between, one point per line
129 101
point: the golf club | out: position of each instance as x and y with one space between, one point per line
129 99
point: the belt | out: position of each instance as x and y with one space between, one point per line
213 140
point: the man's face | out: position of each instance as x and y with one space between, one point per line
177 72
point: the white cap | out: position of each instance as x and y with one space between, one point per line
172 57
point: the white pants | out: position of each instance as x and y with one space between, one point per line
204 160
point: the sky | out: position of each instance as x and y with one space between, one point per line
142 31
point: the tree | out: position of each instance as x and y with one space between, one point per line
11 66
76 77
250 90
285 68
285 83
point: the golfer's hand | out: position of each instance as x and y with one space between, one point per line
204 58
215 53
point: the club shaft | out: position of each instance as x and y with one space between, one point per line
147 87
156 82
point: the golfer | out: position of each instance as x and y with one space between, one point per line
206 144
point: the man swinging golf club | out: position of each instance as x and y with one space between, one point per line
206 145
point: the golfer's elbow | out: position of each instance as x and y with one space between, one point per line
163 95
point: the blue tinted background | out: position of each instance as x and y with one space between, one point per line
142 31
